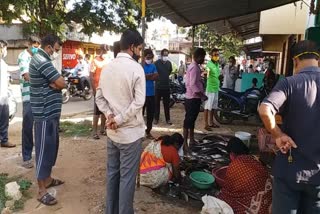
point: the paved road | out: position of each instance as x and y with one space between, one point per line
74 106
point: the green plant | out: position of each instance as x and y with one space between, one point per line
3 198
24 184
229 44
80 129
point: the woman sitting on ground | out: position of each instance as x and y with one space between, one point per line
160 161
247 185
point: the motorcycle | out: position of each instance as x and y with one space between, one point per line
74 88
177 93
238 105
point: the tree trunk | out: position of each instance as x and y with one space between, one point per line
42 14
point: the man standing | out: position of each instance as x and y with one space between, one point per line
212 90
4 107
181 71
230 74
125 124
296 170
96 68
194 96
164 68
151 74
27 122
46 100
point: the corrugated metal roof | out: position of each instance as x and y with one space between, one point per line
193 12
246 26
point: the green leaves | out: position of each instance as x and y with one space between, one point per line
24 184
51 16
229 44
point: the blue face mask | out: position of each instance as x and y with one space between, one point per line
34 50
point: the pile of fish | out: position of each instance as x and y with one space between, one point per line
209 153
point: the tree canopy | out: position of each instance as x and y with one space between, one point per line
51 16
230 44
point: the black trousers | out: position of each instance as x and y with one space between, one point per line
192 107
150 106
165 95
84 81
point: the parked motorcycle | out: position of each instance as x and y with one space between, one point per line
238 105
74 88
177 93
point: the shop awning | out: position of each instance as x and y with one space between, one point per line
246 26
193 12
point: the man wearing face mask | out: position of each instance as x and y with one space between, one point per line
151 73
194 96
212 90
230 74
164 68
4 107
125 125
27 122
46 99
96 68
296 169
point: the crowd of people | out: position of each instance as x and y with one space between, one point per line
143 85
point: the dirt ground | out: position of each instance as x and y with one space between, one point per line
82 165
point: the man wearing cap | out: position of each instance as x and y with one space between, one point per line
296 170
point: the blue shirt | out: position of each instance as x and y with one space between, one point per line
297 99
45 101
149 69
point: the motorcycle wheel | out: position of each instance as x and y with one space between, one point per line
171 103
88 95
223 117
65 96
87 91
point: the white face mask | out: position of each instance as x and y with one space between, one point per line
54 56
148 61
165 58
104 56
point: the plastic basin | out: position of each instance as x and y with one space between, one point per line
219 174
245 137
201 180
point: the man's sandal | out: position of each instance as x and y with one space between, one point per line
96 137
54 183
48 200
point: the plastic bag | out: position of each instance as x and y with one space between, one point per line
214 205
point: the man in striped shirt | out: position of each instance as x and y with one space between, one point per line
46 100
27 123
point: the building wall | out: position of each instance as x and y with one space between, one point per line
288 19
274 42
11 32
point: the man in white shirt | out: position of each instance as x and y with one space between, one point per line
230 74
82 70
120 96
4 107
